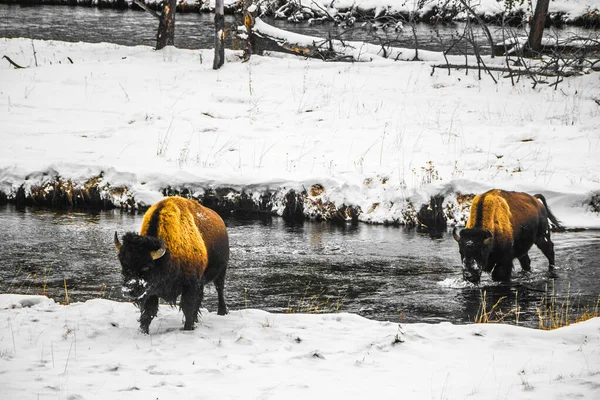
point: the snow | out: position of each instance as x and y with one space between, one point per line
376 135
93 350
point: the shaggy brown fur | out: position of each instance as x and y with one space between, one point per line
185 227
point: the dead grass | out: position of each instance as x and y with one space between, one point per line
315 304
552 312
495 315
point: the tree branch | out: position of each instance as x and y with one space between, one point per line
146 8
17 66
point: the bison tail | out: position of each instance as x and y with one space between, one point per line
557 226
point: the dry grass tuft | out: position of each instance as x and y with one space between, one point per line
316 304
553 314
495 314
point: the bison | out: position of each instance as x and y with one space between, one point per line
503 226
181 247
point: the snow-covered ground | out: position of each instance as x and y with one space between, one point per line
379 135
94 350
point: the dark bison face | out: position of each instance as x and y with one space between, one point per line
138 256
475 246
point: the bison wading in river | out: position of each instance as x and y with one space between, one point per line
503 226
181 247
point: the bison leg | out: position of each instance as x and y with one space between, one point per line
547 247
503 270
525 262
220 286
191 299
149 309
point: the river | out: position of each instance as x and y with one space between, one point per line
194 30
383 273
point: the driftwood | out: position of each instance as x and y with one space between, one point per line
320 50
261 41
14 64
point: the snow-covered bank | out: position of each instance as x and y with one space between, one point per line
94 350
381 136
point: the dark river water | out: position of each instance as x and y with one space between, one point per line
193 30
383 273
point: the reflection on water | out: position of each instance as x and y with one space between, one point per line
378 272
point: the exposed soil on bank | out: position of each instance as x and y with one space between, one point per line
312 203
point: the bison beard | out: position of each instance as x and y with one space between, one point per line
182 247
503 226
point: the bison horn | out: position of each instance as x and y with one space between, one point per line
158 253
117 243
456 235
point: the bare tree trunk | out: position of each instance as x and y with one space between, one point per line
166 26
219 35
538 21
250 12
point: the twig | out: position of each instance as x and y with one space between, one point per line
146 8
34 53
68 357
513 72
482 24
13 338
17 66
66 292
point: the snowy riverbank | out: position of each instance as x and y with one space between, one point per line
381 137
93 350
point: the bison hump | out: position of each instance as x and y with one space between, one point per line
491 211
174 220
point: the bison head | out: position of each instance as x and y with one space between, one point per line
475 246
138 256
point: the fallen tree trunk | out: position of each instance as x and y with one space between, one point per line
513 71
264 37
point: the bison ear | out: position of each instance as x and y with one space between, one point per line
158 253
117 243
456 235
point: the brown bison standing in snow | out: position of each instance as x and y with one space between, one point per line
181 247
503 226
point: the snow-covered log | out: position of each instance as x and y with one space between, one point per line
265 37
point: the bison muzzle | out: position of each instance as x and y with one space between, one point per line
181 247
503 226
